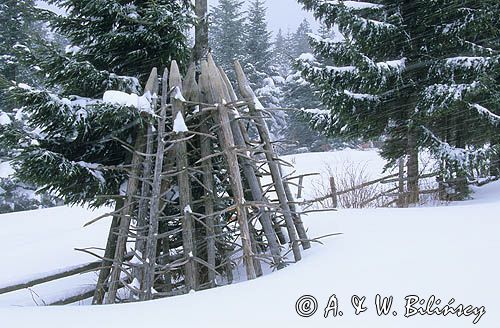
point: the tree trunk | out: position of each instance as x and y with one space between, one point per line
412 166
201 31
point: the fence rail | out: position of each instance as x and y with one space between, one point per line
79 295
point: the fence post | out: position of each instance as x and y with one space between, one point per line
300 187
333 190
401 183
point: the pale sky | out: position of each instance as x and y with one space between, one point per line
284 14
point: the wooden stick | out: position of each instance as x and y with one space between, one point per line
154 211
129 206
249 171
206 150
248 93
227 142
181 158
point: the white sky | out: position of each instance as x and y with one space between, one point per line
284 14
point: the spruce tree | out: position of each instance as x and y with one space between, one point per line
226 33
400 65
282 54
258 54
300 39
71 136
18 20
21 28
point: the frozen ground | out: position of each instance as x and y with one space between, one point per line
449 252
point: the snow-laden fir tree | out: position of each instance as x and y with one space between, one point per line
400 65
299 93
300 39
71 135
264 77
258 53
226 33
21 28
282 54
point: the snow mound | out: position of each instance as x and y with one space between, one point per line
128 99
449 252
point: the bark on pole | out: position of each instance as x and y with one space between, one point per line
208 95
192 93
184 184
227 140
249 171
108 255
333 191
247 92
154 213
129 206
152 86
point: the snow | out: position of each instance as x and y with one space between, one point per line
24 86
356 5
179 124
360 96
6 169
494 118
47 238
128 99
177 94
399 65
73 50
307 57
5 119
447 251
93 169
343 69
468 62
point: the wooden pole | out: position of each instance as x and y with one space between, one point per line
129 206
333 191
412 167
247 92
108 255
154 213
181 157
227 143
208 95
249 171
152 86
301 186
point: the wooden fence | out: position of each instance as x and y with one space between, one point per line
398 194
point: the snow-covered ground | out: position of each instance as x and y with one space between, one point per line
450 252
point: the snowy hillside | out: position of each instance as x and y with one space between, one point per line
448 251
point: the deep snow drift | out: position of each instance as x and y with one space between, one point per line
450 252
